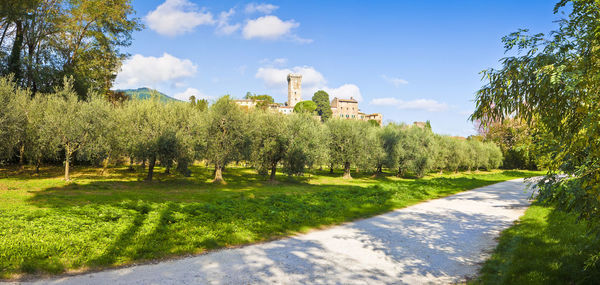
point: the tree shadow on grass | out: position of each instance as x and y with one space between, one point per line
168 218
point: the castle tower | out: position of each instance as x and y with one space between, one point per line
294 89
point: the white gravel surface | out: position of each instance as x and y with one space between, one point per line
439 241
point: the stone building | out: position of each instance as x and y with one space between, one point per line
375 116
248 103
345 108
348 109
294 89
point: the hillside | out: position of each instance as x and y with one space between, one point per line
146 93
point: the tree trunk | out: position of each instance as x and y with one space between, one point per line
151 163
379 169
14 60
273 170
331 168
218 175
168 169
144 163
400 172
105 164
347 170
22 156
30 66
37 166
130 163
68 158
4 33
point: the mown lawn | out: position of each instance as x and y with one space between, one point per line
49 226
547 246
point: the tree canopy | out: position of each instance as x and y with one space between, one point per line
305 107
321 98
551 82
44 40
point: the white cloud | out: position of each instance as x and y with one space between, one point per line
396 81
176 17
223 25
345 91
274 62
139 71
428 105
268 27
185 95
277 78
385 101
262 8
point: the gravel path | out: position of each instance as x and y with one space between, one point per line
439 241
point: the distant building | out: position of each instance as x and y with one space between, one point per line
348 109
344 108
420 124
248 103
341 108
286 110
375 116
294 89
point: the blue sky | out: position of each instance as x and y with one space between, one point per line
409 60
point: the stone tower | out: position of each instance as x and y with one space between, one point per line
294 89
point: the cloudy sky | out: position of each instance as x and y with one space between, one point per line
409 60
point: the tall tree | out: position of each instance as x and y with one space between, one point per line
56 38
553 81
321 98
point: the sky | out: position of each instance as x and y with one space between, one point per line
408 60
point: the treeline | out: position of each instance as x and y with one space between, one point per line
60 126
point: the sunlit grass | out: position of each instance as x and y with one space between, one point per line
547 246
49 226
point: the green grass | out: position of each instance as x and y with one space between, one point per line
547 246
48 226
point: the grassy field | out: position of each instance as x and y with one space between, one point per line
49 226
547 246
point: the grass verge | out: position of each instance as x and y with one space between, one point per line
546 246
48 226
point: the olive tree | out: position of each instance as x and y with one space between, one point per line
270 141
72 123
12 122
308 143
151 134
190 134
346 142
391 137
226 134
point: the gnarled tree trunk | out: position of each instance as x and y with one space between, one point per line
218 174
347 170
